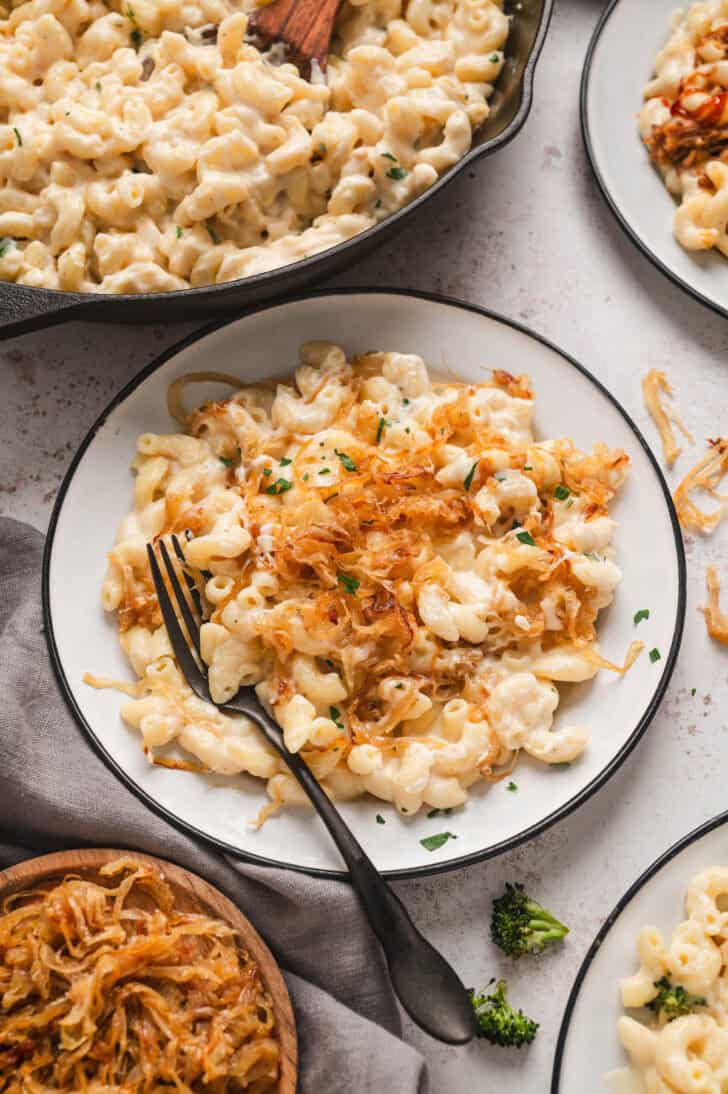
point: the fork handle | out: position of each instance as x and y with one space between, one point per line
428 988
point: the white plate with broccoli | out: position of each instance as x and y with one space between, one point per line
588 1049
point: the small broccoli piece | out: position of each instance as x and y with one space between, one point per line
519 925
673 1002
498 1022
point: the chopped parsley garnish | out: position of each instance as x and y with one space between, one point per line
562 492
226 461
495 58
212 233
380 819
18 137
396 173
512 787
98 86
389 156
267 472
593 556
432 813
527 538
180 233
569 503
400 685
500 476
335 715
348 583
405 402
527 467
654 654
643 613
468 480
285 461
566 763
130 13
325 471
378 203
306 477
693 690
383 423
279 486
346 461
433 843
5 245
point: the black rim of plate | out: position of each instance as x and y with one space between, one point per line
624 224
427 868
667 856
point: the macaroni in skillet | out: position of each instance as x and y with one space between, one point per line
684 123
145 146
687 1054
396 564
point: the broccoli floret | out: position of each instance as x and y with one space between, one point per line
520 925
673 1002
498 1022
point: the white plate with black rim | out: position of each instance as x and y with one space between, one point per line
588 1047
97 492
619 63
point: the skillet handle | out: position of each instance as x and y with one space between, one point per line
24 309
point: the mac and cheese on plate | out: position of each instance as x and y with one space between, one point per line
400 569
146 146
687 1054
684 123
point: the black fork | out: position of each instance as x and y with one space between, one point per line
428 988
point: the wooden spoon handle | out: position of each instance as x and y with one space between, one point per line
303 26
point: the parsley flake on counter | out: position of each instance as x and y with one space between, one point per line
512 787
348 583
279 486
693 690
383 424
335 715
655 654
380 819
468 480
643 613
433 843
527 538
562 492
346 460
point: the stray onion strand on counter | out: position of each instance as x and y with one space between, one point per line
705 476
715 620
655 384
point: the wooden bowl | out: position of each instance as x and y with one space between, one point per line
192 894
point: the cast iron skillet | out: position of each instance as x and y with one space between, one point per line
24 309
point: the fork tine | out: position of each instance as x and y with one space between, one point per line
177 640
193 625
189 580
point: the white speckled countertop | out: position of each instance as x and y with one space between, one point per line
526 234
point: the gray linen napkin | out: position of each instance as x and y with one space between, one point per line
56 793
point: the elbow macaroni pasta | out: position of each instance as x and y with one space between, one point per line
395 564
684 123
146 146
688 1055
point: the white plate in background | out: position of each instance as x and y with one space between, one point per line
97 493
588 1047
619 63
